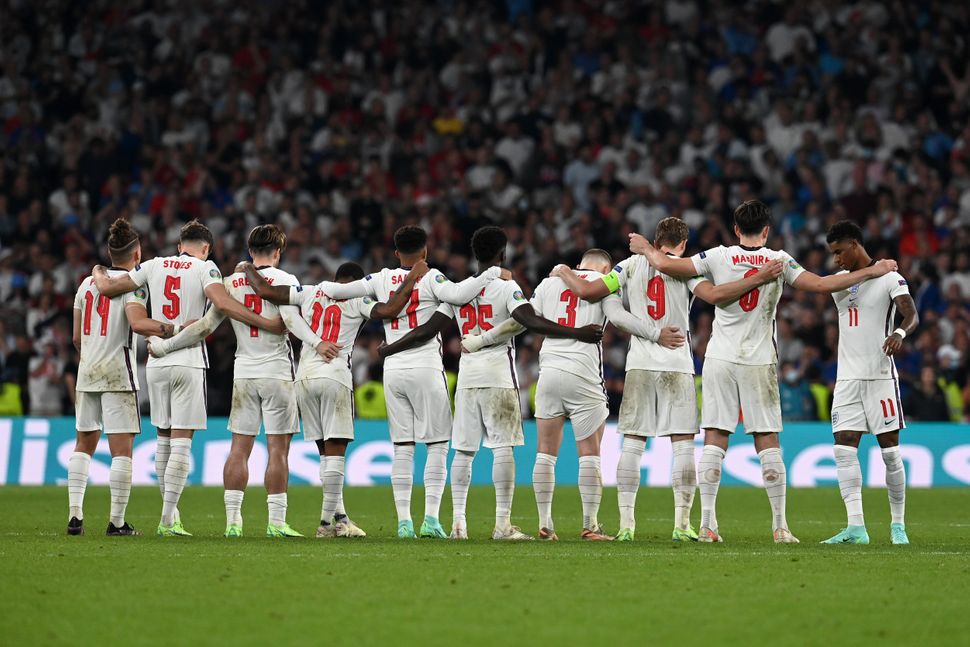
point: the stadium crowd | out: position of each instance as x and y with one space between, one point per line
568 123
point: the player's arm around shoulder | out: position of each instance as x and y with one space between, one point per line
681 268
427 331
899 292
812 282
727 293
223 301
591 290
393 306
113 286
278 294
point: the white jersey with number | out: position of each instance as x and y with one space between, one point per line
335 321
666 301
492 366
108 353
176 285
744 332
554 300
867 315
261 354
422 304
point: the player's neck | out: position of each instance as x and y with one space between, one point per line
754 242
262 262
407 262
669 251
864 261
127 266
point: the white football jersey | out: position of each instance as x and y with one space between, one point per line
744 332
335 321
666 301
554 301
425 299
867 315
176 285
108 353
492 366
261 354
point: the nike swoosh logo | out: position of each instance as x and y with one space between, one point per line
889 422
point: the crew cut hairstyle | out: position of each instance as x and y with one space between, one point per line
751 216
266 239
122 240
195 231
844 230
488 243
671 232
601 254
351 271
410 239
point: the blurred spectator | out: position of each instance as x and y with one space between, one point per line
926 401
797 402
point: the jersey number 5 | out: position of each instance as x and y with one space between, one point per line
104 305
475 318
174 306
331 322
571 301
749 300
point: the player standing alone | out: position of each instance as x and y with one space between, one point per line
107 381
659 397
866 396
740 367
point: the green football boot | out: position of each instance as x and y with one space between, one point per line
897 532
175 530
233 531
684 534
281 531
850 535
405 529
431 529
625 534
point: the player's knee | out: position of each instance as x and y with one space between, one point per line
848 438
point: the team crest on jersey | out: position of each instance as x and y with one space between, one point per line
855 289
518 296
792 264
440 278
214 273
141 294
835 417
368 301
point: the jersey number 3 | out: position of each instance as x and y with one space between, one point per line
571 301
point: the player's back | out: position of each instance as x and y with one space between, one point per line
338 322
492 366
664 300
554 300
744 331
867 315
421 306
259 353
176 285
108 353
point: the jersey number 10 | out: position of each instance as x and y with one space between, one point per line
331 322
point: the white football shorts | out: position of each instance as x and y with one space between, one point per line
418 405
327 409
559 393
492 414
177 395
658 403
731 389
263 401
869 406
116 412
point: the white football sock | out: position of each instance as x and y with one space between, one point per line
233 500
402 478
849 471
163 449
333 484
895 482
544 484
176 472
461 478
119 482
435 476
503 476
77 482
628 479
775 478
276 503
708 481
590 490
684 481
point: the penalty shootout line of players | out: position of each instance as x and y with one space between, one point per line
570 309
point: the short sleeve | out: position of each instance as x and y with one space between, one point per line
513 296
897 285
791 269
139 296
142 272
702 261
448 310
300 294
78 299
365 305
210 274
537 297
436 279
694 282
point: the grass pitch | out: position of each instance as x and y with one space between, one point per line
204 590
